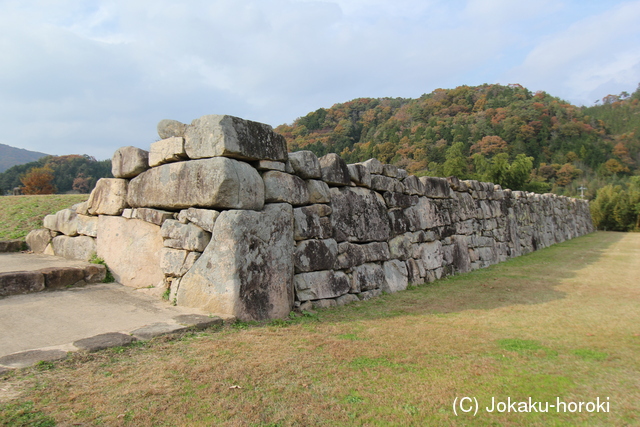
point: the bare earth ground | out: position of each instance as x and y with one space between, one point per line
561 324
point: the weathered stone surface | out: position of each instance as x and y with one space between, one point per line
395 273
247 269
58 278
334 170
13 245
217 135
176 262
374 293
422 215
154 216
366 277
305 164
131 248
413 186
198 321
430 253
359 215
81 208
203 218
20 282
184 236
103 341
399 200
384 183
415 274
157 330
374 166
95 273
64 221
128 162
321 285
360 174
311 222
346 299
323 303
457 185
87 225
270 165
401 247
318 191
209 183
314 255
283 187
109 197
390 171
37 240
436 187
402 174
80 247
167 151
24 359
171 128
351 254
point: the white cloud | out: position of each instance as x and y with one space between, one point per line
595 52
90 76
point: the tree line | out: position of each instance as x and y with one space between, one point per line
55 174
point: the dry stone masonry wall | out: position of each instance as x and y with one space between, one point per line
219 216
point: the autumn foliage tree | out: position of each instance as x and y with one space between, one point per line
38 181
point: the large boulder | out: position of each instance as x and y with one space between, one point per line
208 183
171 128
128 162
305 164
37 240
313 255
167 151
247 269
109 197
217 135
334 170
321 284
359 215
184 236
64 221
80 247
366 277
283 187
131 248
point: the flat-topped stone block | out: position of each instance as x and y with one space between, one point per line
207 183
218 135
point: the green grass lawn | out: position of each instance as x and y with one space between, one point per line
561 324
21 214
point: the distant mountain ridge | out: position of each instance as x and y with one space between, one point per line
11 156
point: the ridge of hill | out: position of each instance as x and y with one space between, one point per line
12 156
481 132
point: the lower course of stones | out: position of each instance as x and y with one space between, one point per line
217 215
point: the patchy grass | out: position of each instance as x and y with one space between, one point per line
561 323
21 214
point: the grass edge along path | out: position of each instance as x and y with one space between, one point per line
557 325
21 214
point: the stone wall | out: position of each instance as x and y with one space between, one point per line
219 216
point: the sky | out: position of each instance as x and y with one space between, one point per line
88 77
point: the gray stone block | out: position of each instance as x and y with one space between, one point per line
217 135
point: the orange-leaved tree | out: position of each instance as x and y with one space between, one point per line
38 181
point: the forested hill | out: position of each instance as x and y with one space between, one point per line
11 156
480 132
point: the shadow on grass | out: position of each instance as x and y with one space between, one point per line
528 279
